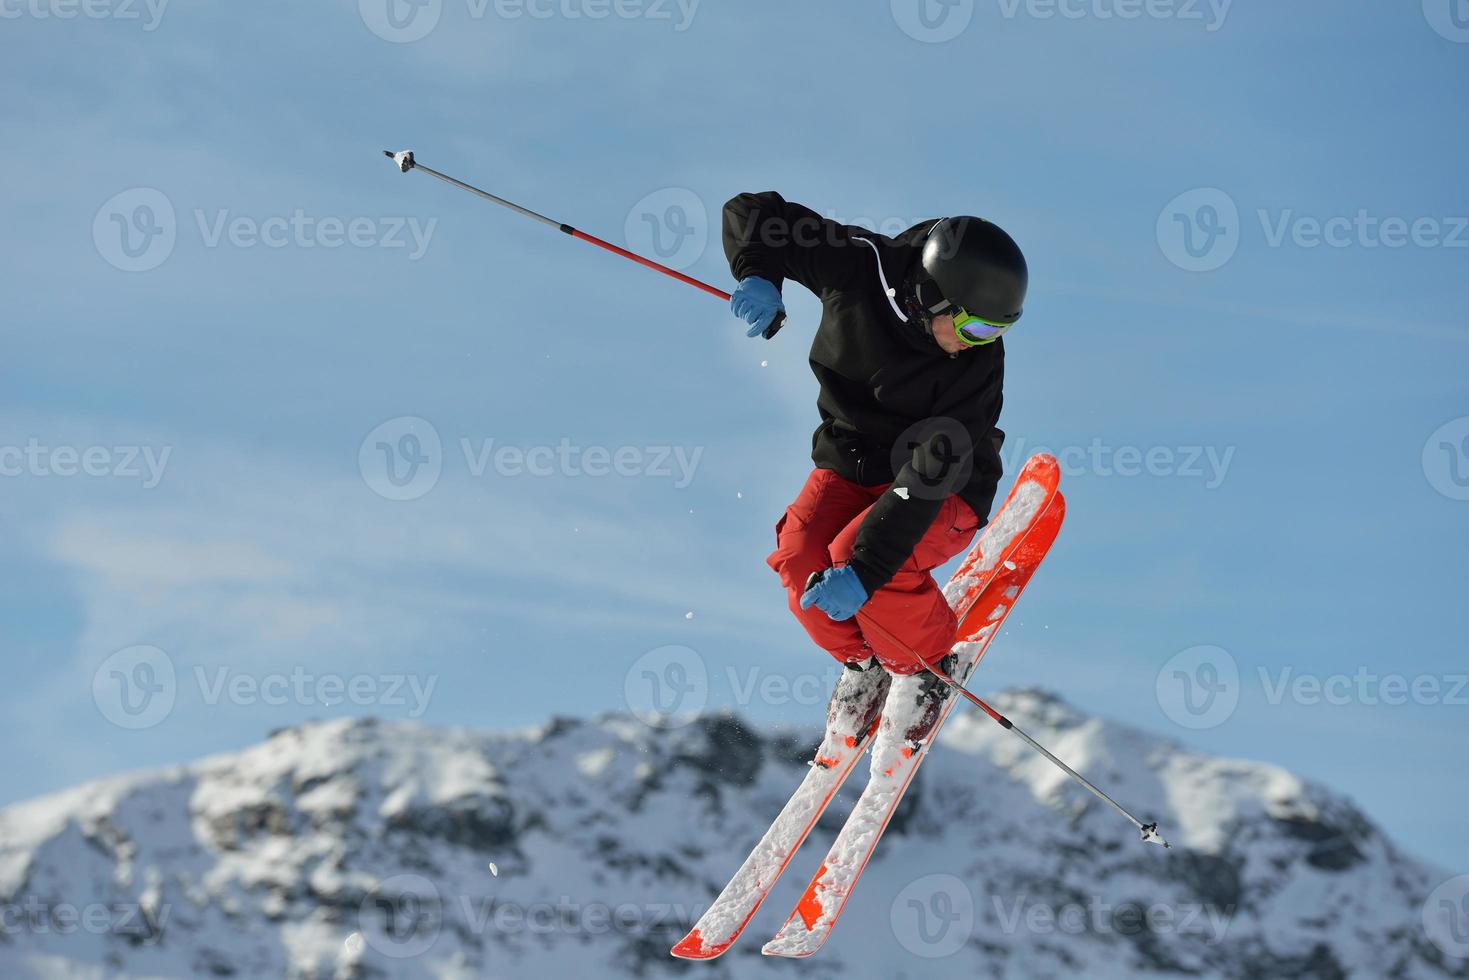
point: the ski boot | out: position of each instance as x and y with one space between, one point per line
857 699
917 699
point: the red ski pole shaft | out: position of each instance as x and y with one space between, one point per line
640 260
406 162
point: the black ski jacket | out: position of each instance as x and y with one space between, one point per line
894 406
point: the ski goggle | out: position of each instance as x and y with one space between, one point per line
973 331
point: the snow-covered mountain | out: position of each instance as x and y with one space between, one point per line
361 849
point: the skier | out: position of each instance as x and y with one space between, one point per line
911 367
907 463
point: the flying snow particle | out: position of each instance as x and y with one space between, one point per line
765 364
494 869
688 615
353 945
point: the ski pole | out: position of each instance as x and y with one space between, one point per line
1149 831
406 162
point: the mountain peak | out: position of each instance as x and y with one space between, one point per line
270 860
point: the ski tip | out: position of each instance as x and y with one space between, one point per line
692 947
785 947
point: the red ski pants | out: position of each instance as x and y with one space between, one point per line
819 531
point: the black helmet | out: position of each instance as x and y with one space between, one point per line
970 262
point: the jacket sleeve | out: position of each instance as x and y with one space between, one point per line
767 236
902 515
962 457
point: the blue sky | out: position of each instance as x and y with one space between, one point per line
185 408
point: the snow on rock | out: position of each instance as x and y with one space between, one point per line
356 849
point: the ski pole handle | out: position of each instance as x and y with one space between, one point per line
775 325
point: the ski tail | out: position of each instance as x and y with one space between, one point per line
726 918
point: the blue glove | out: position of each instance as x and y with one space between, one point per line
757 302
837 592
